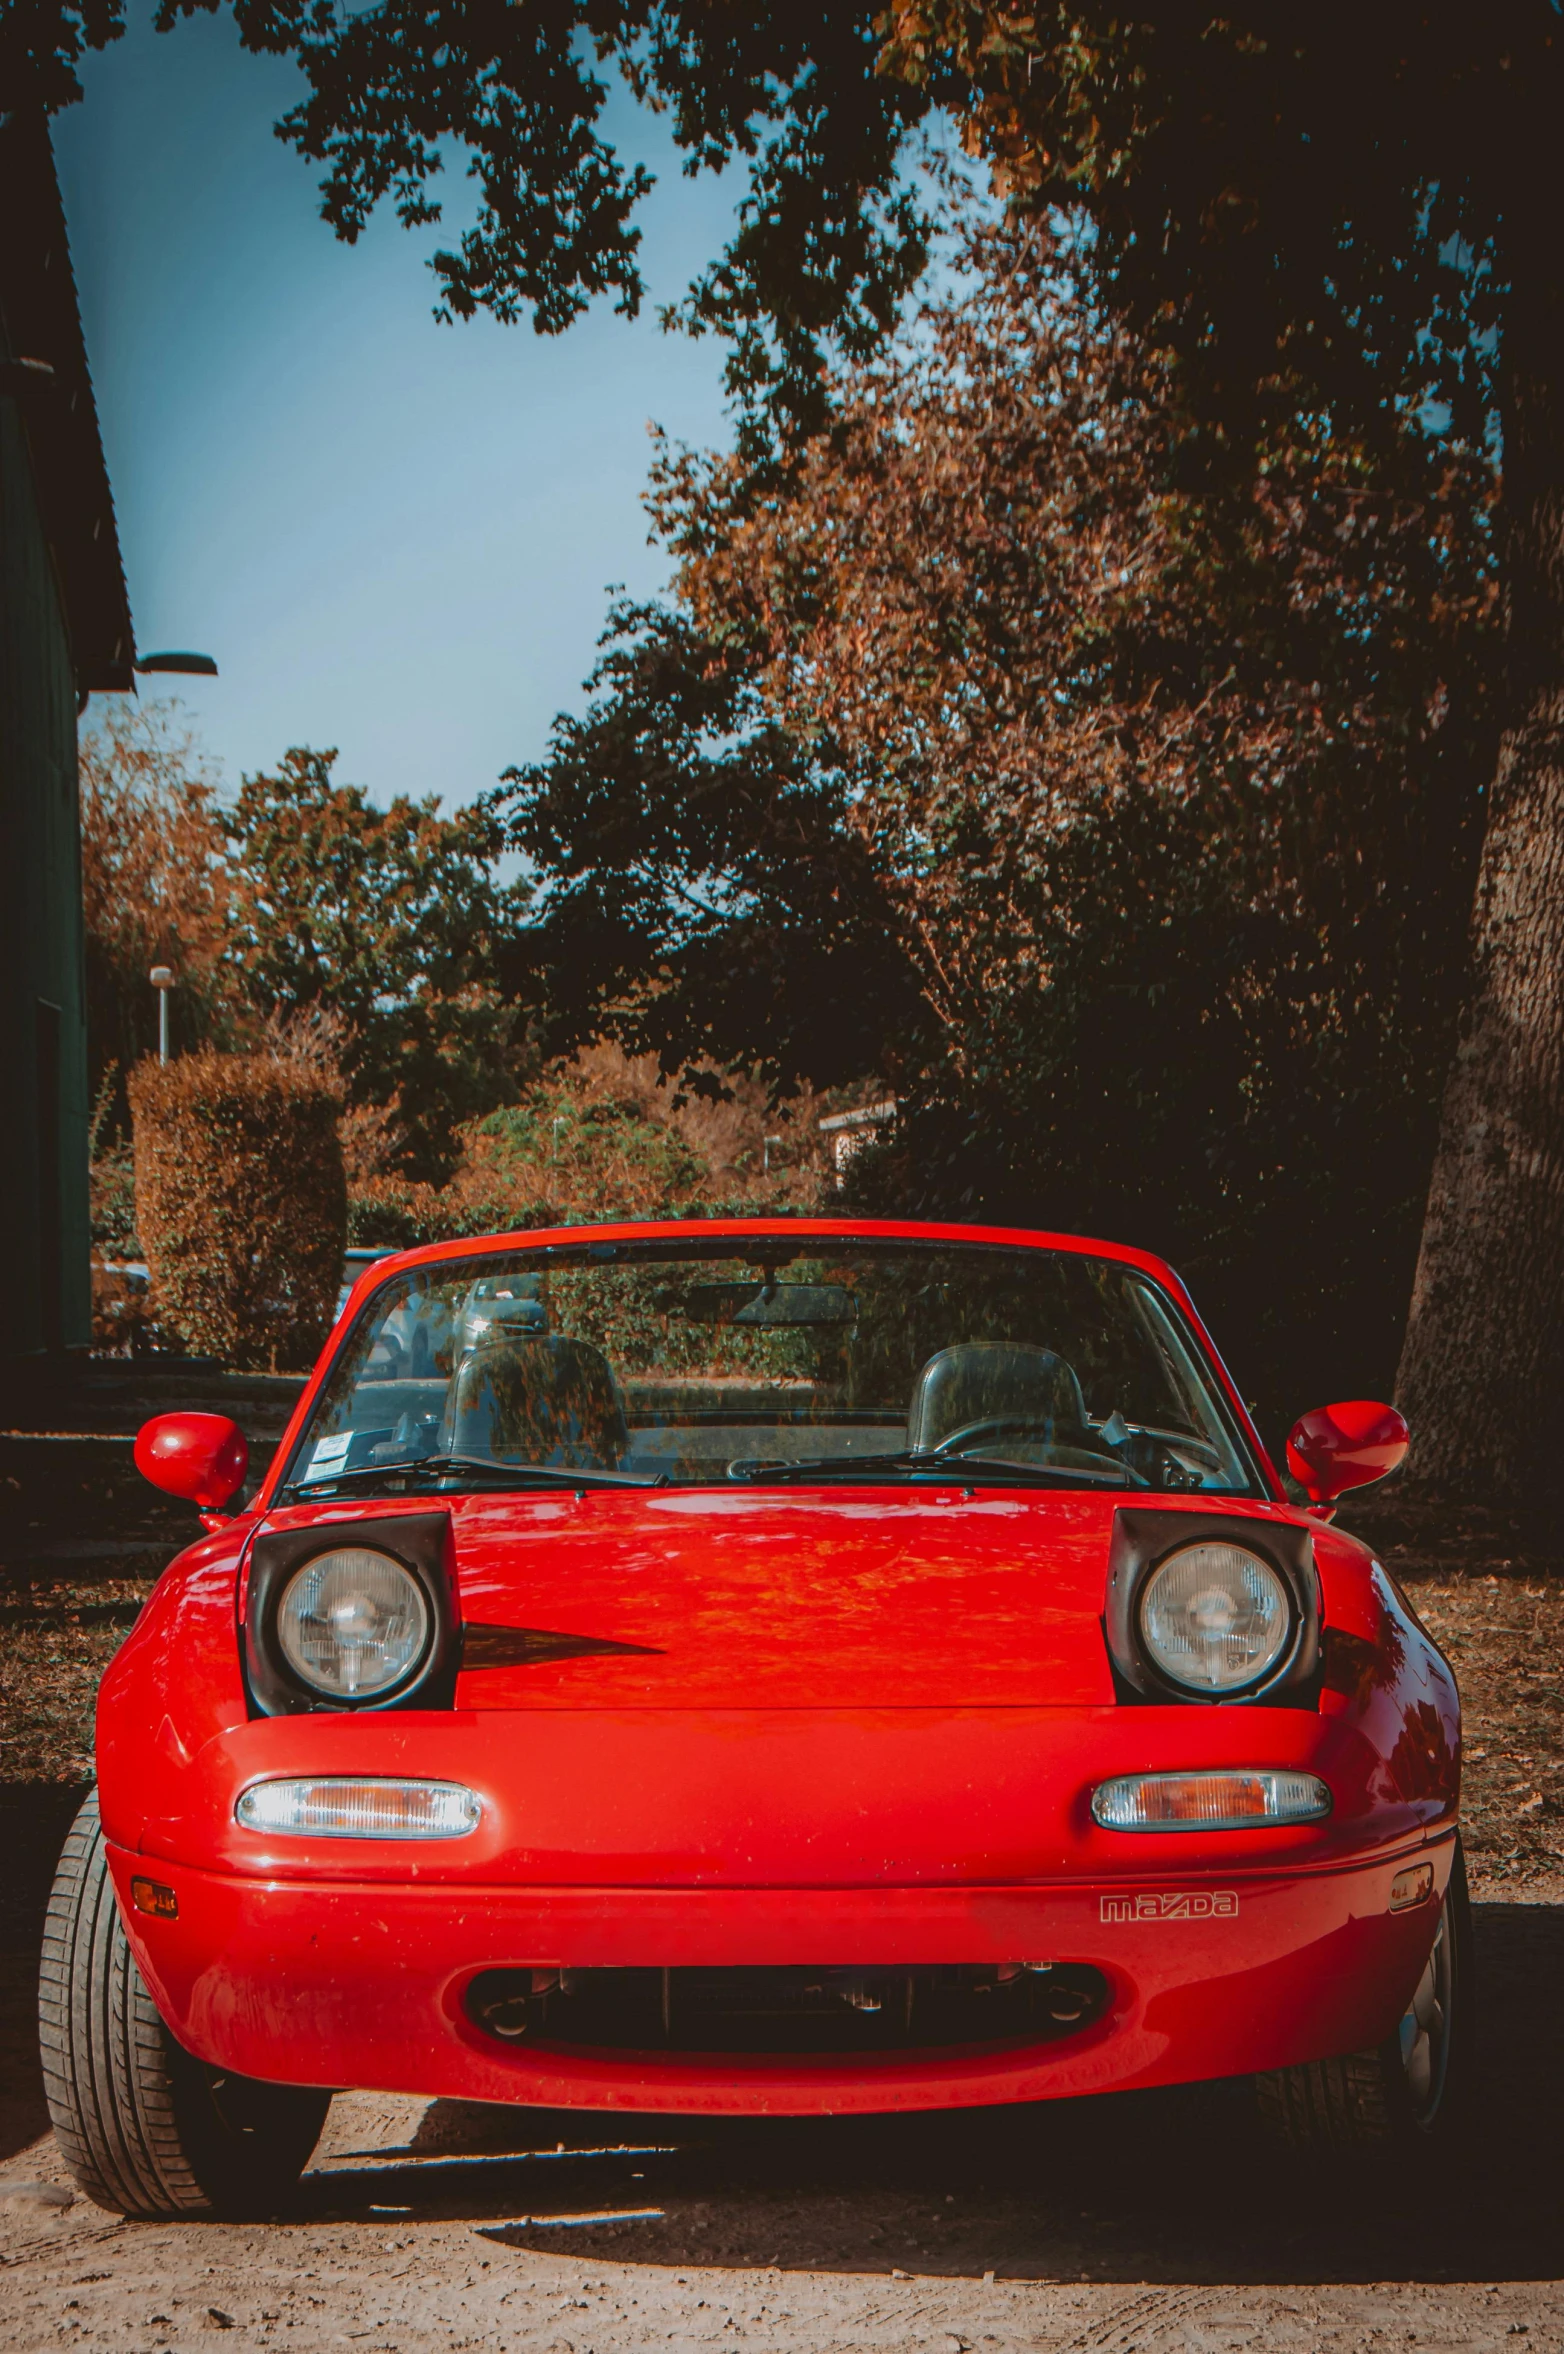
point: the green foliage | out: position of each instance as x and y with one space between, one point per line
1327 207
1314 210
113 1189
398 1213
709 898
593 1139
154 891
111 1180
829 238
388 919
568 1145
296 904
638 1317
241 1204
1339 230
1159 805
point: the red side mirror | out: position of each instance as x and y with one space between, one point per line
1346 1446
202 1457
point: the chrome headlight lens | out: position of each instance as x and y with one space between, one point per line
353 1623
1215 1617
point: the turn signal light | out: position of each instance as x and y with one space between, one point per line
1231 1801
150 1896
364 1806
1413 1886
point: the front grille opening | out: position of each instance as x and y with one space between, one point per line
803 2011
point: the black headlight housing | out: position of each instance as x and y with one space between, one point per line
420 1545
1145 1538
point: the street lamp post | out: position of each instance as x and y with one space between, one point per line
162 980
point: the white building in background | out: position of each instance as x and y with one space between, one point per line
849 1132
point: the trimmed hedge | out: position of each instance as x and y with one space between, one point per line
241 1204
403 1211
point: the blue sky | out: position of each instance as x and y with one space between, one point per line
394 537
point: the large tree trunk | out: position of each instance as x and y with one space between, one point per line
1482 1370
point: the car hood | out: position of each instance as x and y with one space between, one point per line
783 1599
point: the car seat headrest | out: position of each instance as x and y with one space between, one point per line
541 1399
980 1381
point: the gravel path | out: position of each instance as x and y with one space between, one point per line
1145 2223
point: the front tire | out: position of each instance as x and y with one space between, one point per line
1409 2092
145 2128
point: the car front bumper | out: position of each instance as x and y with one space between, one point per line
831 1839
364 1982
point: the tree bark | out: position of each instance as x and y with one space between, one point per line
1481 1379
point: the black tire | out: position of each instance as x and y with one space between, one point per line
146 2129
1410 2093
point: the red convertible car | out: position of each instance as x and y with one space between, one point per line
775 1667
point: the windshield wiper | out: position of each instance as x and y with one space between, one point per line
957 1471
479 1467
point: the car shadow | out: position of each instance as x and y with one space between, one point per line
34 1818
1167 2187
1153 2187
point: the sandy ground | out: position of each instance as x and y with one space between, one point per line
1152 2222
1139 2223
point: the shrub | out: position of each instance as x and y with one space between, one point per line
111 1178
404 1211
598 1137
112 1191
121 1314
241 1203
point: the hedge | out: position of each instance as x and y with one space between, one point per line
241 1204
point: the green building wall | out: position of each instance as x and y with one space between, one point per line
45 1291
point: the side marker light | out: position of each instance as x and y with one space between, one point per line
1413 1886
359 1806
150 1896
1239 1799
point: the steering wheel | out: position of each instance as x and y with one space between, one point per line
998 1426
992 1426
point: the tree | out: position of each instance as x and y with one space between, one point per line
830 237
154 887
603 1135
709 901
388 918
1346 215
1121 798
1356 213
297 918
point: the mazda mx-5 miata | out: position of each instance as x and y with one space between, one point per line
779 1667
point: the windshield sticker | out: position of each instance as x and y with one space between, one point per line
330 1454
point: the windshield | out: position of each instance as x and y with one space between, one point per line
768 1359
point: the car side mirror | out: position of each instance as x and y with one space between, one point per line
1345 1446
202 1457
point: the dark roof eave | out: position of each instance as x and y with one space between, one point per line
40 319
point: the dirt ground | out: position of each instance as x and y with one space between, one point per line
1152 2222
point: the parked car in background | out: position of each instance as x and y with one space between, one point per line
354 1261
772 1667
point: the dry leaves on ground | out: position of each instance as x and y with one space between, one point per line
1490 1589
56 1639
